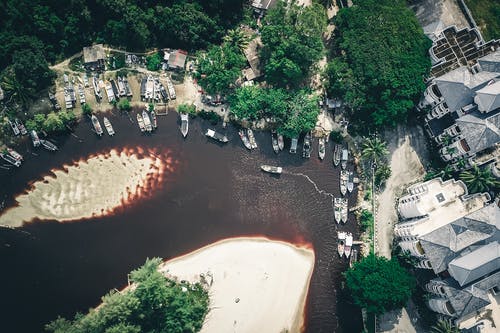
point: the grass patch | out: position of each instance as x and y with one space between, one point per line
486 14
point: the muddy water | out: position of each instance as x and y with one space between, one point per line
213 192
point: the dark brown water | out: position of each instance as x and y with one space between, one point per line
215 192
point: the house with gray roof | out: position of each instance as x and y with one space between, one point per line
94 57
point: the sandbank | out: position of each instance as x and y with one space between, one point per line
255 284
91 187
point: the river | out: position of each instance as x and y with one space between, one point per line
213 192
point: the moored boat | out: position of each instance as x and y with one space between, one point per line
48 145
97 125
251 138
341 237
337 209
274 141
154 121
15 154
336 155
306 148
147 121
343 181
345 157
345 210
348 245
321 148
350 182
21 127
9 159
293 145
184 124
14 128
109 127
271 169
244 139
34 138
281 142
140 122
216 136
354 257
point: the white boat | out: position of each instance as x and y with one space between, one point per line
34 138
97 125
307 148
216 136
140 121
9 159
48 145
15 154
345 157
271 169
109 127
348 245
350 182
281 142
354 257
337 209
251 138
274 141
343 181
97 89
321 148
336 155
341 237
184 124
345 210
14 128
154 121
293 145
147 121
244 139
21 127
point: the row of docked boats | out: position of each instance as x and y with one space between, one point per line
17 127
41 142
344 245
340 209
98 128
147 122
12 157
346 181
340 156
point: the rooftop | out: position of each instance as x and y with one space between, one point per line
480 130
438 125
93 53
252 55
488 98
490 62
177 59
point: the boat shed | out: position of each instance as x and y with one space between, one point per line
177 60
93 57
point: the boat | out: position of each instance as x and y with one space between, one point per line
341 236
321 148
348 245
251 138
147 121
336 155
153 119
97 89
14 128
350 182
272 169
184 124
344 210
274 141
15 154
244 139
11 160
306 147
21 127
345 157
293 145
354 257
48 145
216 136
337 209
281 142
109 127
343 181
140 121
34 138
81 93
97 125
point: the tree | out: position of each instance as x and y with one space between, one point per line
153 62
237 38
444 326
53 123
378 284
479 180
381 60
382 173
124 105
302 115
86 109
374 150
187 109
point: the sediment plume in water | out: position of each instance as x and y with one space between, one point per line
92 187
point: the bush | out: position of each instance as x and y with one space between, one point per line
366 221
86 109
336 137
187 108
124 105
153 62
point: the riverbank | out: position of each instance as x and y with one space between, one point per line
255 284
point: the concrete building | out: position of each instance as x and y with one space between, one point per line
94 57
177 60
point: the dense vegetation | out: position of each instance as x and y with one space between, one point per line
378 284
380 60
157 304
486 13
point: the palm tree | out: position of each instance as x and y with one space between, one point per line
14 88
374 150
444 326
238 38
479 180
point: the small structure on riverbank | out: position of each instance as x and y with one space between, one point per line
177 60
94 57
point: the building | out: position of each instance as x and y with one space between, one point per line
177 60
94 57
252 54
261 6
457 235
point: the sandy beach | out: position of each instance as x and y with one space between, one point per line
91 187
255 284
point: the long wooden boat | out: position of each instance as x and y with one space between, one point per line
109 127
341 237
184 124
345 157
9 159
293 145
350 182
244 139
147 121
251 138
345 210
281 142
321 148
14 127
271 169
48 145
306 147
348 245
274 141
337 209
34 138
154 121
216 136
343 181
336 155
354 257
97 125
15 154
21 127
140 122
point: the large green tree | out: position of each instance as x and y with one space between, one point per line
254 102
381 60
479 180
378 284
302 115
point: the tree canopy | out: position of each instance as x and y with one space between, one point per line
381 60
156 304
378 284
479 180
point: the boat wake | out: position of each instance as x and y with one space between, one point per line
93 187
316 187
